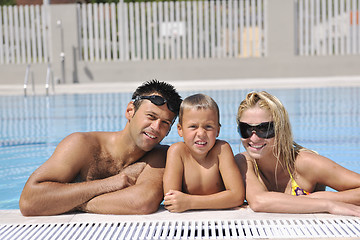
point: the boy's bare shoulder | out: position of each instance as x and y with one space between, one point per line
221 142
241 157
179 146
221 145
241 160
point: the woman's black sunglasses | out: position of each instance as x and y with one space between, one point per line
262 130
157 100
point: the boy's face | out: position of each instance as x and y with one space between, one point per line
199 128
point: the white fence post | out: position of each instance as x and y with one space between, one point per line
328 27
180 30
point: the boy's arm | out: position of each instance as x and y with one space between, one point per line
174 169
232 196
234 192
232 178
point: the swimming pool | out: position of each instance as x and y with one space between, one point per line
323 119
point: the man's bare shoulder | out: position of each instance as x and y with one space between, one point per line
157 156
89 139
72 156
90 136
83 151
82 138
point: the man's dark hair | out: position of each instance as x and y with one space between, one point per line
166 90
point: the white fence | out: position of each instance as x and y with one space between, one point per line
23 34
179 30
173 30
328 27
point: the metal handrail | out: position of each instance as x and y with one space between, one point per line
26 80
49 74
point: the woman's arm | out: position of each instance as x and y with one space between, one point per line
320 169
261 200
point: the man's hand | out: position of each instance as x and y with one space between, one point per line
134 170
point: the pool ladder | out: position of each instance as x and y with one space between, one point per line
29 77
49 80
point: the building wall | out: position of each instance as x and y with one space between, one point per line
280 62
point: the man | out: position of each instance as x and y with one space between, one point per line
109 172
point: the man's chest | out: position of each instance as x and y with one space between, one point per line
102 166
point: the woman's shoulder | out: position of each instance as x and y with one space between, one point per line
309 162
307 157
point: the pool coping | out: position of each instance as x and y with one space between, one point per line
14 218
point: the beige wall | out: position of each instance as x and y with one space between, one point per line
280 61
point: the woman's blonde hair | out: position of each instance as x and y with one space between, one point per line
285 149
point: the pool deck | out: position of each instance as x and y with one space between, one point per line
15 217
243 216
339 81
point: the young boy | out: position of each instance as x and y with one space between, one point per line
201 172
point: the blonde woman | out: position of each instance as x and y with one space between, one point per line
282 176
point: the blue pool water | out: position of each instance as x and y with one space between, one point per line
323 119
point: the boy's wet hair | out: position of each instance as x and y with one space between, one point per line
198 101
163 89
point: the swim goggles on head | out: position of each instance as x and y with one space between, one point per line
157 100
262 130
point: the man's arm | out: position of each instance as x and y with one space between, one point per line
49 190
142 198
